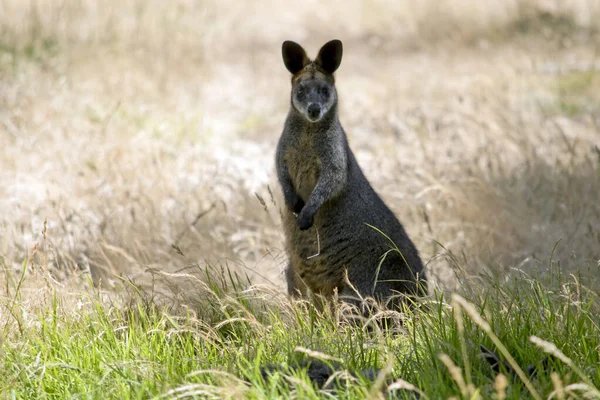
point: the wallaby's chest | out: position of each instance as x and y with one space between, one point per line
304 165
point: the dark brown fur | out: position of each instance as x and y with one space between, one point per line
329 200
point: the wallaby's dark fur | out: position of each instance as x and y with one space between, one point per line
328 198
319 373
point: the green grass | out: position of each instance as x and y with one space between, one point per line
574 94
140 350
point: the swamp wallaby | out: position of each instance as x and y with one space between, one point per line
329 202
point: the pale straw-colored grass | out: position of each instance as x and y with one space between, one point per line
122 123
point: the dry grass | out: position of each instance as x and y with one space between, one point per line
122 123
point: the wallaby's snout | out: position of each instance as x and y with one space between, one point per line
314 111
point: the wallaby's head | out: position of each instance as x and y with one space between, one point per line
313 85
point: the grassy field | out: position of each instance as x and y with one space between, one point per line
140 240
547 332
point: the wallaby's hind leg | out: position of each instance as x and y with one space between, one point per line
295 285
369 305
359 299
391 285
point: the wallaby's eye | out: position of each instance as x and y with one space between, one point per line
300 91
324 91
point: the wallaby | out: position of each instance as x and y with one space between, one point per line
331 209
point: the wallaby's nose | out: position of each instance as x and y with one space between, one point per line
314 110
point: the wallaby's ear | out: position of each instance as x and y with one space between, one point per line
330 56
294 56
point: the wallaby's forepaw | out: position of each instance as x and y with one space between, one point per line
297 205
305 221
293 201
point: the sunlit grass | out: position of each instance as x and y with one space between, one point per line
219 348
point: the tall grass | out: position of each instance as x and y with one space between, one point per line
547 332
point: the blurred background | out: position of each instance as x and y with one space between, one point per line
144 132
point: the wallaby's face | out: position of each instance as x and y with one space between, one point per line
313 85
313 98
